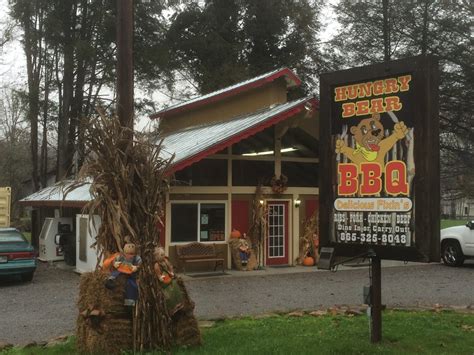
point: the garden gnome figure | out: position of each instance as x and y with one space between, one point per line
126 263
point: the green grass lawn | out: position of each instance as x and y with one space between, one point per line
403 333
445 223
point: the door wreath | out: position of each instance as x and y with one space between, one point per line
279 185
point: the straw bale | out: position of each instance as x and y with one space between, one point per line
104 324
252 263
113 337
186 329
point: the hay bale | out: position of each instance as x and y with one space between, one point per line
112 337
186 329
185 325
104 324
252 263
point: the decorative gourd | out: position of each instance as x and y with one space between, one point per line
235 234
308 261
166 279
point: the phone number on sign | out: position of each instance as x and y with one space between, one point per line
368 238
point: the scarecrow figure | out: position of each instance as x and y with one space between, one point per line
126 263
244 250
175 297
163 268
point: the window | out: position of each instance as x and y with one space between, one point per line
300 174
251 173
207 172
202 222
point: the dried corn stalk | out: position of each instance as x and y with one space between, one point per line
258 227
309 238
128 190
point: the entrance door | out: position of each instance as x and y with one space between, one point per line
277 237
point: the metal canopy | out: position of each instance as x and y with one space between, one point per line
188 146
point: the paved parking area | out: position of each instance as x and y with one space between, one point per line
46 307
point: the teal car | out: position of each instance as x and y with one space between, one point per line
17 256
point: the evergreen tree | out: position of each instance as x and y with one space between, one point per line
227 41
70 51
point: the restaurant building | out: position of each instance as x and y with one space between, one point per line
224 144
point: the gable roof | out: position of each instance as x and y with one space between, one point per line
195 143
292 80
188 146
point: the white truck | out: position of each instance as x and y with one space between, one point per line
457 244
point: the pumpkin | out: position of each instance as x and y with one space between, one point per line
125 269
235 234
166 279
308 261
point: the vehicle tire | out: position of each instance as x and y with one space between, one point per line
452 254
27 277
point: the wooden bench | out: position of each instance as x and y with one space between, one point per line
198 252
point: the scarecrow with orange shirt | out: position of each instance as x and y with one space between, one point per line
127 263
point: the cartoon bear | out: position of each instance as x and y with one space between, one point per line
370 143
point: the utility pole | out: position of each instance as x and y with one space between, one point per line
125 69
375 265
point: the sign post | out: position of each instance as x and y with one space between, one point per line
376 300
379 144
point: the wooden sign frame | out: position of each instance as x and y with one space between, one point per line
426 185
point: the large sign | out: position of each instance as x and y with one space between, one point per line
380 152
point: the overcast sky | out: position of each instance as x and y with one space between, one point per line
13 64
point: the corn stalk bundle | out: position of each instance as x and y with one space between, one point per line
258 227
307 242
128 190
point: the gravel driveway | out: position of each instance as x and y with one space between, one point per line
39 310
46 308
417 285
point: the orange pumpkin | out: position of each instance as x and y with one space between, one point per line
308 261
166 279
125 269
235 234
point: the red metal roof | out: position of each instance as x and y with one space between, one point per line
291 78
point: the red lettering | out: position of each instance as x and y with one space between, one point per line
377 106
392 103
348 109
340 93
347 179
362 107
352 91
404 80
378 87
396 178
371 181
365 89
391 86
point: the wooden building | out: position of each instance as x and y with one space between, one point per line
225 144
